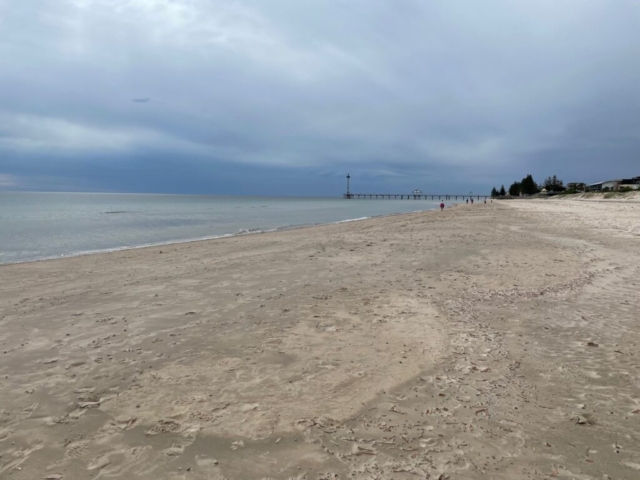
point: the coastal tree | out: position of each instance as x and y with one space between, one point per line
528 186
515 189
554 184
494 192
503 192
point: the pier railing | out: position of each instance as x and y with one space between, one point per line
412 196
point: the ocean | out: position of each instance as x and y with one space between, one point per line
36 226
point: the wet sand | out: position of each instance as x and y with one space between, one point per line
493 341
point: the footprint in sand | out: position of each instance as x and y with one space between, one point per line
187 437
20 456
4 434
117 462
166 425
99 463
174 451
206 462
76 449
511 444
27 412
125 422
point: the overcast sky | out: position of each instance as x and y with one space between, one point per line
287 96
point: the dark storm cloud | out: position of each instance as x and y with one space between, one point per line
276 94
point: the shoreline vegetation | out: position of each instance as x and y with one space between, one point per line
528 186
553 186
493 340
630 196
612 195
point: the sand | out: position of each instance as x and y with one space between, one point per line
493 341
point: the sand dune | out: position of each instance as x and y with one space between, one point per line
493 341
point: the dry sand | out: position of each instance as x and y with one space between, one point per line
491 341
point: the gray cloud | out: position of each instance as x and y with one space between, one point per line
401 92
8 181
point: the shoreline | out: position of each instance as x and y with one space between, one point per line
206 239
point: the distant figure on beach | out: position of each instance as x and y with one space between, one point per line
472 201
485 202
441 206
467 200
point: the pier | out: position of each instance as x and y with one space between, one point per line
415 195
412 196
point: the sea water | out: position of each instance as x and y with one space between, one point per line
36 226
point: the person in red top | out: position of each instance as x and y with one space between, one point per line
441 206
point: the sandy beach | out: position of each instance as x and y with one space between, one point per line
494 341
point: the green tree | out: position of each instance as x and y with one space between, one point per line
515 189
494 192
554 184
528 186
503 192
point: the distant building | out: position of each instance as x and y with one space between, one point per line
608 185
615 184
576 186
633 183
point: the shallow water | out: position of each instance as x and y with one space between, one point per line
35 226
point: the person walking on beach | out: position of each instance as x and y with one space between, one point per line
441 206
467 200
